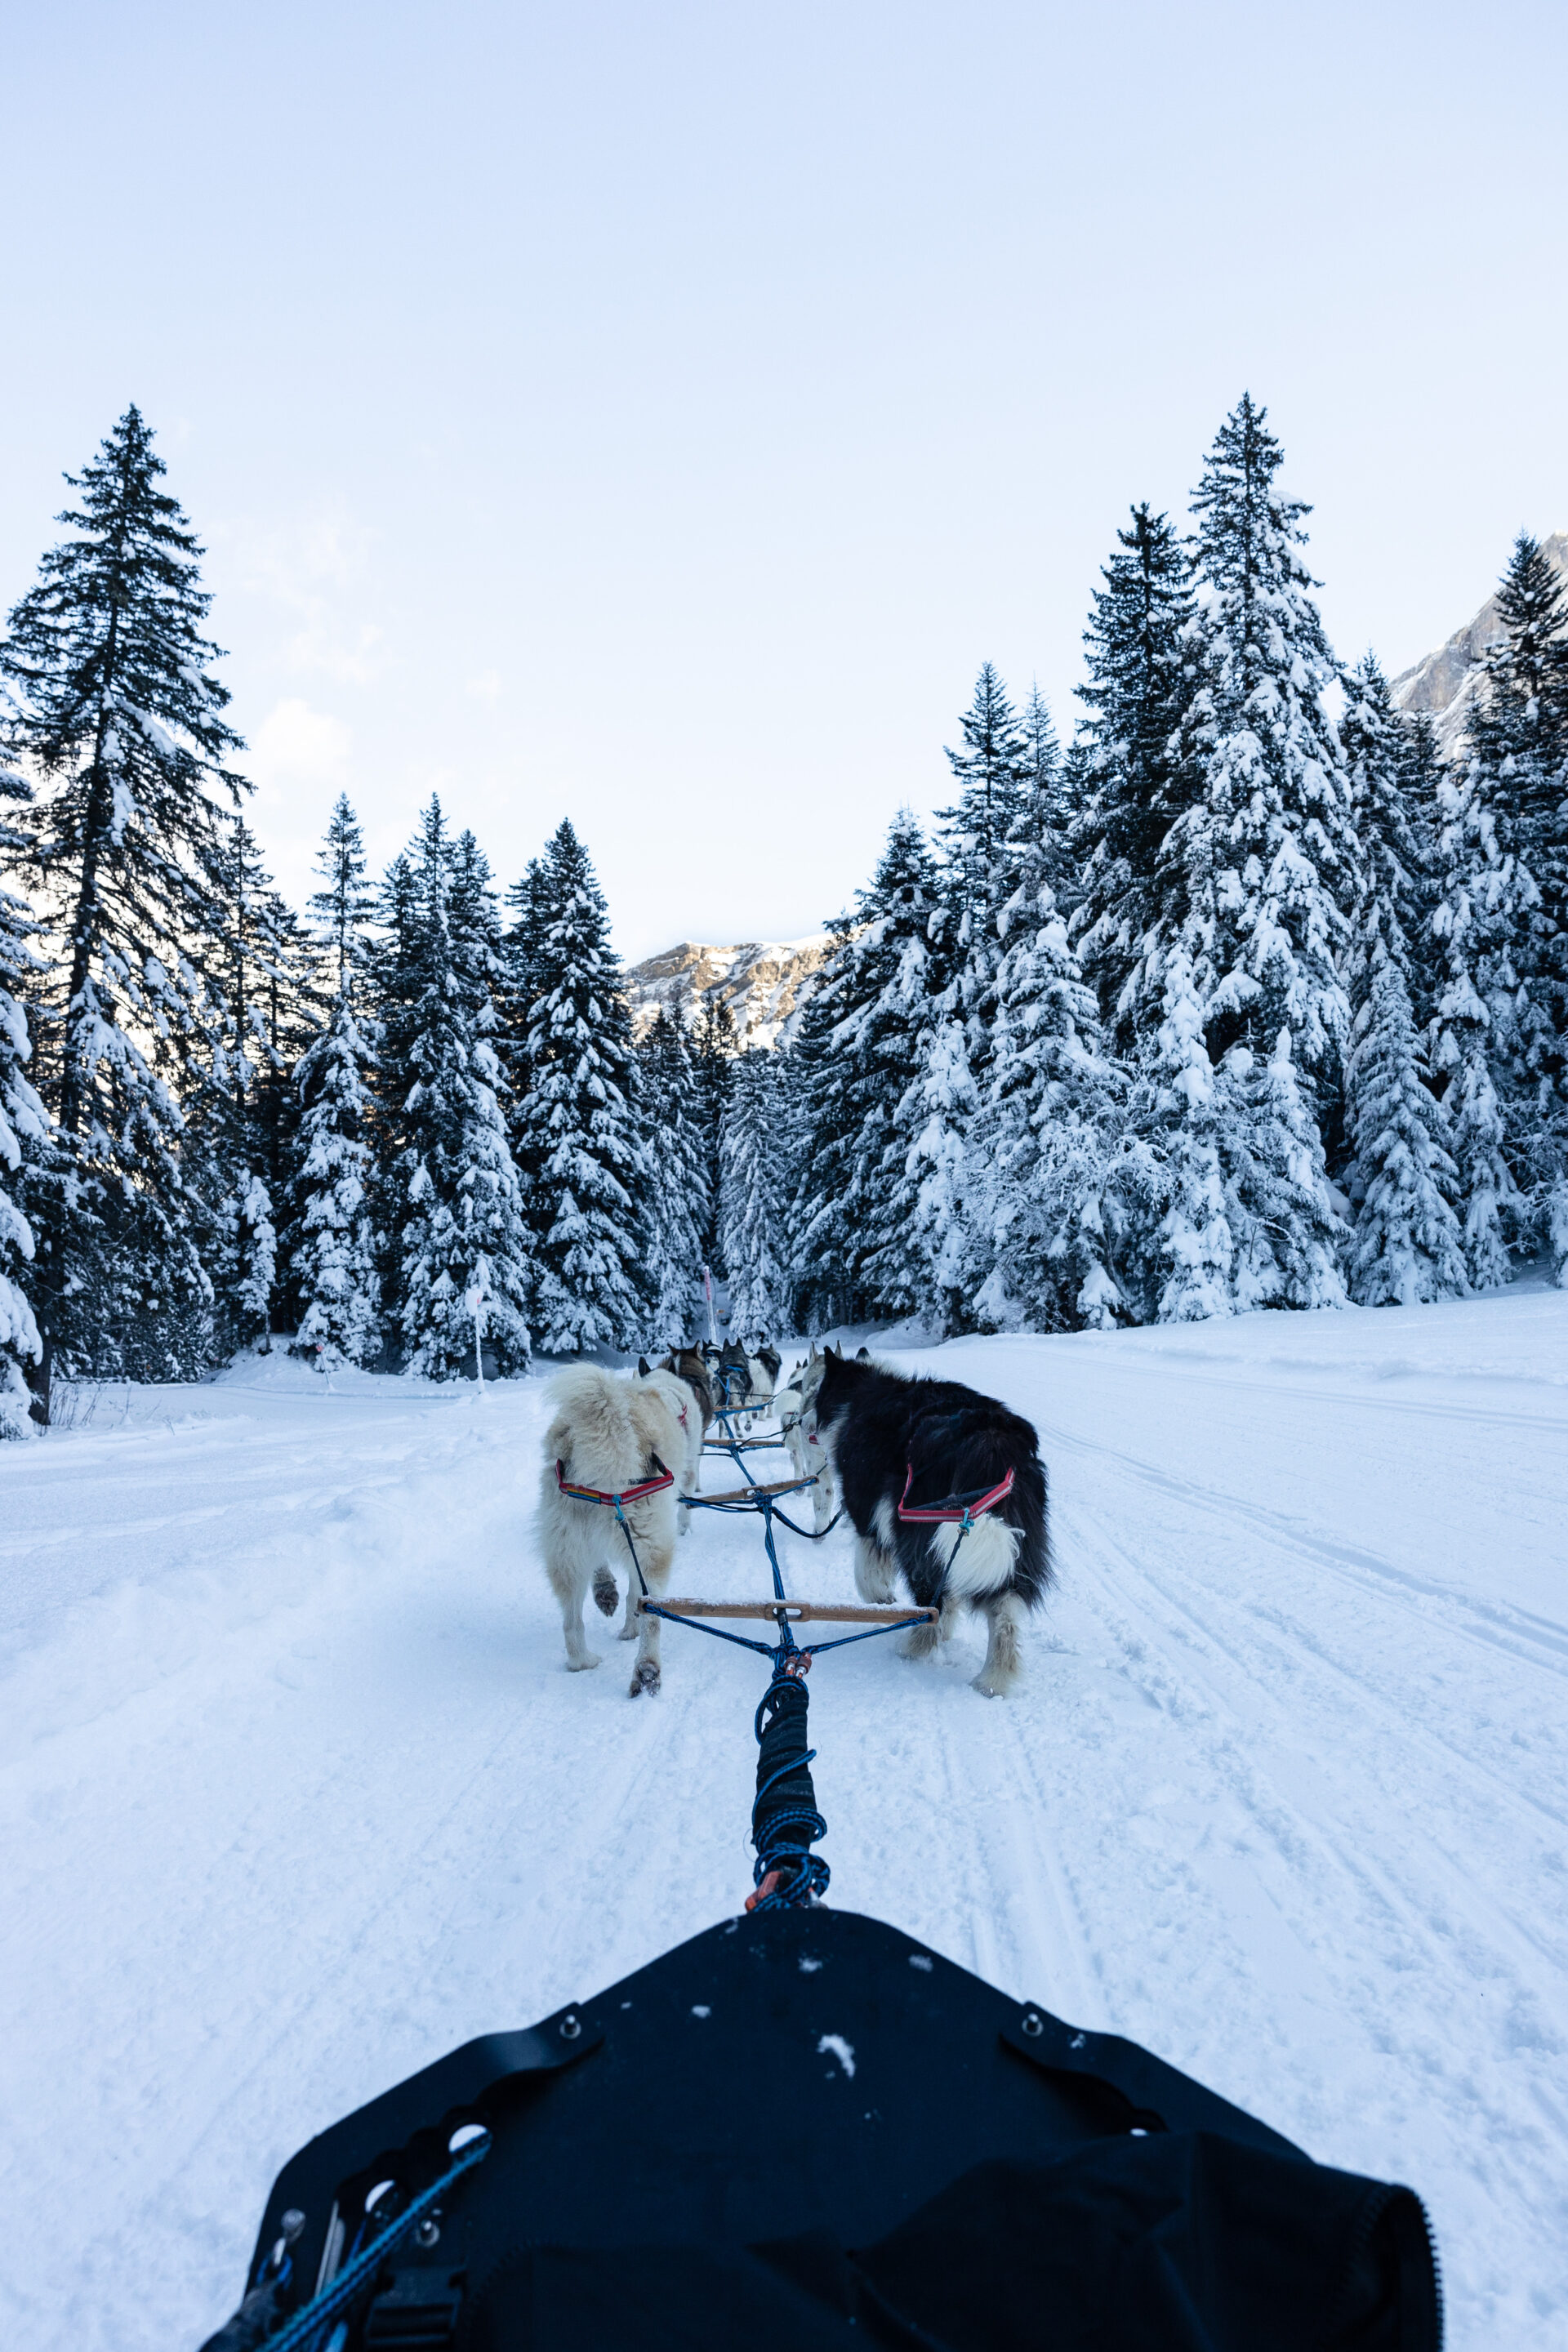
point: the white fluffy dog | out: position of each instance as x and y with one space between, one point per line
607 1433
806 1451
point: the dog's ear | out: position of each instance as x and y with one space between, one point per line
644 1368
862 1355
833 1353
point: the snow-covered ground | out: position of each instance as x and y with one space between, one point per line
295 1793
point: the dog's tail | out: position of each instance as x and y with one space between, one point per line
1008 1546
591 1429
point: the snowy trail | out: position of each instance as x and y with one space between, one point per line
295 1791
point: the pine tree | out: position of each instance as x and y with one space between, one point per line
975 834
715 1045
820 1123
1258 870
1407 1248
1513 843
678 1205
1500 1030
120 713
396 982
241 1123
335 1258
1254 879
23 1136
580 1117
1050 1195
751 1204
334 1269
1402 1178
1287 1232
888 1002
464 1230
345 902
1137 692
1194 1241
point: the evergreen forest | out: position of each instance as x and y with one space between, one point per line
1235 994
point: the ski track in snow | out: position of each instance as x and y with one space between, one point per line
295 1793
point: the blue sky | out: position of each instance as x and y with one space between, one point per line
655 414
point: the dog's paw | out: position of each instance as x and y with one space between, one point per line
629 1630
645 1676
991 1686
581 1665
607 1599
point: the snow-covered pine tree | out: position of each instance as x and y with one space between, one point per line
1421 776
750 1199
334 1256
1195 1246
241 1123
1259 869
394 977
1254 879
581 1125
24 1134
123 719
1407 1240
1050 1186
1406 1245
678 1204
715 1043
345 902
1137 691
1501 1020
977 872
464 1230
888 1003
334 1270
1285 1221
819 1125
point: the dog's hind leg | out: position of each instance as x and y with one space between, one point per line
1001 1669
570 1585
874 1570
646 1665
604 1593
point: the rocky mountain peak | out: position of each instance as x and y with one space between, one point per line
761 980
1445 682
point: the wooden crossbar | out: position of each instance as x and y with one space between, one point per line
750 1493
803 1613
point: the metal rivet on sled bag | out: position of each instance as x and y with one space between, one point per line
1033 2023
571 2027
291 2224
429 2231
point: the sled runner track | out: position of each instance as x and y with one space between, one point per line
1296 1637
1219 1730
1517 1633
1358 1400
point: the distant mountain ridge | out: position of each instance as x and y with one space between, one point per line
1444 683
761 980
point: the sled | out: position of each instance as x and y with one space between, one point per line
804 2129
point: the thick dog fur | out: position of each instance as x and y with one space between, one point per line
806 1451
607 1431
874 1424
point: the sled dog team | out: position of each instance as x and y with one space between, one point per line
892 1447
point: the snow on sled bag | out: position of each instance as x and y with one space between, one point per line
802 2129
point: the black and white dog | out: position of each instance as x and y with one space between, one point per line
902 1446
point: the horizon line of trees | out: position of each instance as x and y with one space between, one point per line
1245 998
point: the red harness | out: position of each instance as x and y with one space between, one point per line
618 1502
964 1507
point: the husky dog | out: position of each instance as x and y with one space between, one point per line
806 1451
611 1434
884 1434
